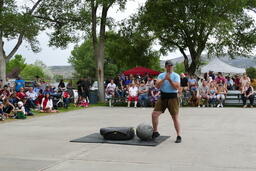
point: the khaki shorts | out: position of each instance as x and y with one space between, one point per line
172 105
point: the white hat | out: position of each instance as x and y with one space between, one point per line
20 103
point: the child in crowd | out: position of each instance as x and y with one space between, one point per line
20 111
83 102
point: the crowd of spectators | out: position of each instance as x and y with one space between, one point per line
18 100
209 90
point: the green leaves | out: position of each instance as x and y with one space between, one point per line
219 26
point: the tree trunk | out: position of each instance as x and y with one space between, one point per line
100 55
100 70
2 68
2 60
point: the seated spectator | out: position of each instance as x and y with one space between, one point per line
31 97
39 99
192 83
220 78
8 108
212 94
48 90
13 99
110 89
183 82
5 92
203 96
230 83
154 95
47 104
83 102
150 82
20 111
120 91
221 94
21 95
66 98
2 117
247 93
133 95
127 80
143 94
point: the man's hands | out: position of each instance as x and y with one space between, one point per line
167 76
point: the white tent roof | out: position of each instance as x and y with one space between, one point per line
217 65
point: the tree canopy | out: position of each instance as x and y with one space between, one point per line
122 52
215 26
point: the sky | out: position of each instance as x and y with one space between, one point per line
55 56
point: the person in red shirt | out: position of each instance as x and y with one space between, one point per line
5 92
66 97
21 95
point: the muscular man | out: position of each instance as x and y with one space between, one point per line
169 84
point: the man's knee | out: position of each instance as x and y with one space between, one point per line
156 113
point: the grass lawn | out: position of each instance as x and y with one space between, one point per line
61 110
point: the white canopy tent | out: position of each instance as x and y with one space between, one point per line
216 65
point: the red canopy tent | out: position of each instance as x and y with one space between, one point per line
141 71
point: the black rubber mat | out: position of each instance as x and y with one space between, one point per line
97 138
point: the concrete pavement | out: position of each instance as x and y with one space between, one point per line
214 139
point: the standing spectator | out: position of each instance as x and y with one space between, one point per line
86 88
247 93
80 89
70 85
244 80
211 74
133 95
237 82
61 85
143 94
19 83
1 83
206 77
